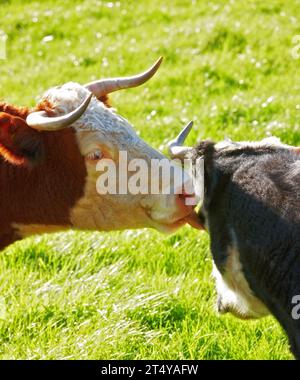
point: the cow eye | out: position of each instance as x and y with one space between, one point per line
95 155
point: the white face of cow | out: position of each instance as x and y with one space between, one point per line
101 135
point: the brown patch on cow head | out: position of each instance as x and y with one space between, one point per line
42 176
19 144
12 110
105 100
46 106
297 150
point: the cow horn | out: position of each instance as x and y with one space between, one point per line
42 122
105 86
176 148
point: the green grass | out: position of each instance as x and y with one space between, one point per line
142 295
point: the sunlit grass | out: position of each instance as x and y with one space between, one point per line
142 295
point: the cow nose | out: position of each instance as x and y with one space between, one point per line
184 205
188 199
186 194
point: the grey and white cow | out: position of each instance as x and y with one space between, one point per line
251 209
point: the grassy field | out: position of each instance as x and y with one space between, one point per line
229 66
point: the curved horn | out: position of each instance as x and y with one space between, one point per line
42 122
106 86
176 148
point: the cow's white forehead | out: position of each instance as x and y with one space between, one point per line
229 145
97 117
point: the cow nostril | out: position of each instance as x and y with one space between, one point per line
187 199
182 198
185 195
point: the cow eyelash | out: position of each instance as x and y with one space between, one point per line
94 156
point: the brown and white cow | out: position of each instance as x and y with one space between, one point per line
48 163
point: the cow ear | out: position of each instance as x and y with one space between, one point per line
19 144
